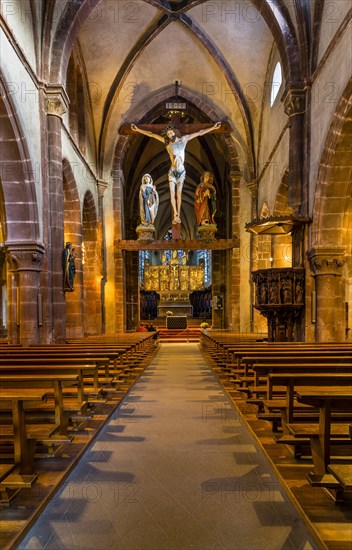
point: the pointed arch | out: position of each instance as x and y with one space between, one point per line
17 176
73 234
92 268
334 180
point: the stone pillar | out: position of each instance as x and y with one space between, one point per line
55 105
231 262
120 301
132 289
3 331
101 187
349 309
295 107
253 188
25 306
119 259
327 264
255 317
220 287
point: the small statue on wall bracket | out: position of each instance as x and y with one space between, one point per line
69 267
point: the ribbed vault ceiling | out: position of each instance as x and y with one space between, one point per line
219 52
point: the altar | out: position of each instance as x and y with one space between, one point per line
174 281
176 321
186 310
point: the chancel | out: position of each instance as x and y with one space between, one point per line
175 274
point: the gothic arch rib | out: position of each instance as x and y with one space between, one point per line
326 188
274 13
284 35
219 59
123 72
209 45
17 175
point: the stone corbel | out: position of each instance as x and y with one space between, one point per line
56 101
101 187
326 260
295 102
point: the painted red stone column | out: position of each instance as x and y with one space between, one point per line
55 106
327 264
25 261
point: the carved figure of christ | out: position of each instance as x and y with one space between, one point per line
176 146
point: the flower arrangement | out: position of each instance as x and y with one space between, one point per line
204 325
169 313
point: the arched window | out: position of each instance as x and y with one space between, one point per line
143 256
276 83
205 256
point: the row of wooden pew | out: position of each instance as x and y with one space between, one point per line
49 392
304 390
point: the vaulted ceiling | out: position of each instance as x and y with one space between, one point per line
134 49
132 52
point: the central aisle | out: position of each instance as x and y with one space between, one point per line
174 469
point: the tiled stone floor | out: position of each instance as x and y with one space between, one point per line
174 469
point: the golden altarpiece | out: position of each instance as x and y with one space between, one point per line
174 281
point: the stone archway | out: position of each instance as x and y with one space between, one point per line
20 229
73 234
17 178
91 260
331 228
227 265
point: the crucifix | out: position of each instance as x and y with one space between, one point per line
175 137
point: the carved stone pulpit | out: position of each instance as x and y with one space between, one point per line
279 296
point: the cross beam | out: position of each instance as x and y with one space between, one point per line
218 244
126 129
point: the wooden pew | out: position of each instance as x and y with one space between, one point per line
289 410
324 433
327 401
258 384
83 365
52 382
24 444
248 360
119 355
35 369
233 355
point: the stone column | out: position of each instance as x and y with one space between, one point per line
231 262
55 106
101 187
253 188
25 304
119 259
120 301
327 264
132 289
221 281
349 310
3 331
255 318
295 107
